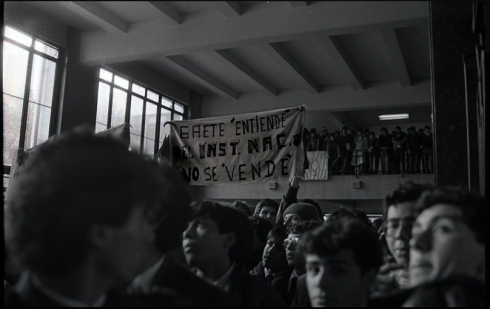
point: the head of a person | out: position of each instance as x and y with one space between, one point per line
427 129
342 258
299 212
274 255
215 233
421 131
399 216
345 130
85 201
317 206
261 228
292 242
372 135
242 206
384 131
367 131
360 132
313 131
398 129
333 136
267 209
347 212
448 236
324 131
353 132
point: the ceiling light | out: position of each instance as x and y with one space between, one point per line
394 116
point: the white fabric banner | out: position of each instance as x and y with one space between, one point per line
318 169
239 148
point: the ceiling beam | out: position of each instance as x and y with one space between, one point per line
98 15
298 4
229 8
337 54
167 14
256 80
198 75
396 55
281 55
203 32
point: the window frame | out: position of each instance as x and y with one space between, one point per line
55 101
145 100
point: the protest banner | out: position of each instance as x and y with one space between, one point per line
318 167
242 148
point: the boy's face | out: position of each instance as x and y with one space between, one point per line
274 255
443 245
202 241
399 221
268 213
293 255
336 280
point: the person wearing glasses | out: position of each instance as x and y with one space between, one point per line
399 216
298 295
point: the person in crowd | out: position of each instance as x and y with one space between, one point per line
242 206
298 295
333 156
346 148
80 220
399 216
427 151
342 258
358 159
343 212
299 212
420 164
447 252
314 140
216 243
378 224
373 153
267 209
274 269
399 145
261 229
413 146
317 206
386 150
324 137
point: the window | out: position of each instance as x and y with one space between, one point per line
30 72
122 100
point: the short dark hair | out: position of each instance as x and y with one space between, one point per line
398 127
261 226
472 207
70 184
317 206
345 128
427 127
313 130
408 192
384 129
302 227
343 212
349 233
266 202
277 231
229 219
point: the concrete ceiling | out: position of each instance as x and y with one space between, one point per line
233 48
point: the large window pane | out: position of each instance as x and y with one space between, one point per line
106 75
103 103
118 107
150 127
178 117
42 81
18 36
165 116
14 69
38 118
121 82
46 49
136 115
135 142
12 115
149 147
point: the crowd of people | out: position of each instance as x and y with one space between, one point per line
361 152
89 223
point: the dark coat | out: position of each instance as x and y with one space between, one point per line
249 291
279 282
301 297
188 286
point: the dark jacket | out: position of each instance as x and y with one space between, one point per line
249 291
427 141
188 286
279 281
413 141
26 294
385 142
301 297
